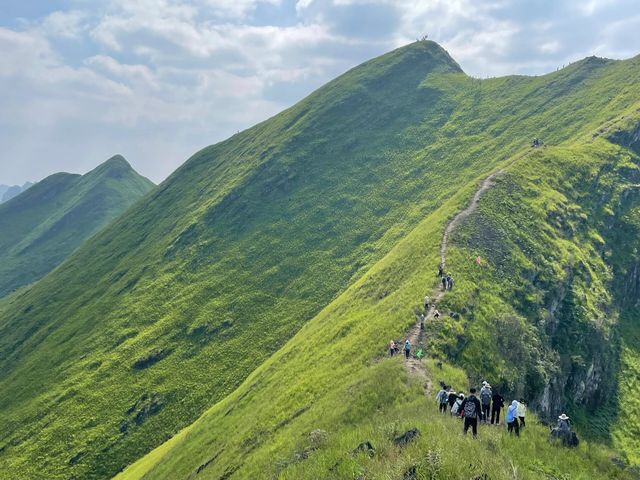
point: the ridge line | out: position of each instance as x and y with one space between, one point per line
414 366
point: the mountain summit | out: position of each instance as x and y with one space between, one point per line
44 224
262 281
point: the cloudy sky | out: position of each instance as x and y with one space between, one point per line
156 80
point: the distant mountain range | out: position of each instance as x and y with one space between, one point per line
42 225
7 192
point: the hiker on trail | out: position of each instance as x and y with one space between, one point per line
485 398
392 348
455 409
422 319
469 410
451 399
449 282
436 314
407 348
522 410
442 398
511 418
497 402
563 432
427 302
444 282
440 270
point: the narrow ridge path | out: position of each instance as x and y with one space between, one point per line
414 366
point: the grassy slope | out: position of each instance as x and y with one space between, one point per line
45 224
557 251
332 375
250 239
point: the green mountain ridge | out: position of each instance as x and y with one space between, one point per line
46 223
298 226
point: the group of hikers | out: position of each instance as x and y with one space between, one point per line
484 407
475 408
394 348
445 278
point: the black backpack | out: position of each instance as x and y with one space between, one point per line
470 409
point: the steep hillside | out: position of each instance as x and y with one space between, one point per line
548 217
46 223
172 306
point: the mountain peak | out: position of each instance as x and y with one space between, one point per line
116 166
432 52
117 161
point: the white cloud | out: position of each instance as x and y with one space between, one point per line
235 8
159 79
128 73
302 4
64 24
550 47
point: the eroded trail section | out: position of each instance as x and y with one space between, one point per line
413 365
486 184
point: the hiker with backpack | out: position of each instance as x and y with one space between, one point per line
440 270
497 402
563 433
449 282
522 410
451 398
436 314
455 409
511 417
392 348
444 282
469 410
485 399
426 303
443 399
422 318
407 348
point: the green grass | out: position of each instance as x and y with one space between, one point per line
625 432
45 224
333 375
241 247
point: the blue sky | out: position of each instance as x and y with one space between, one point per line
156 80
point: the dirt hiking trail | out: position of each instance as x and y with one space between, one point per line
413 365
